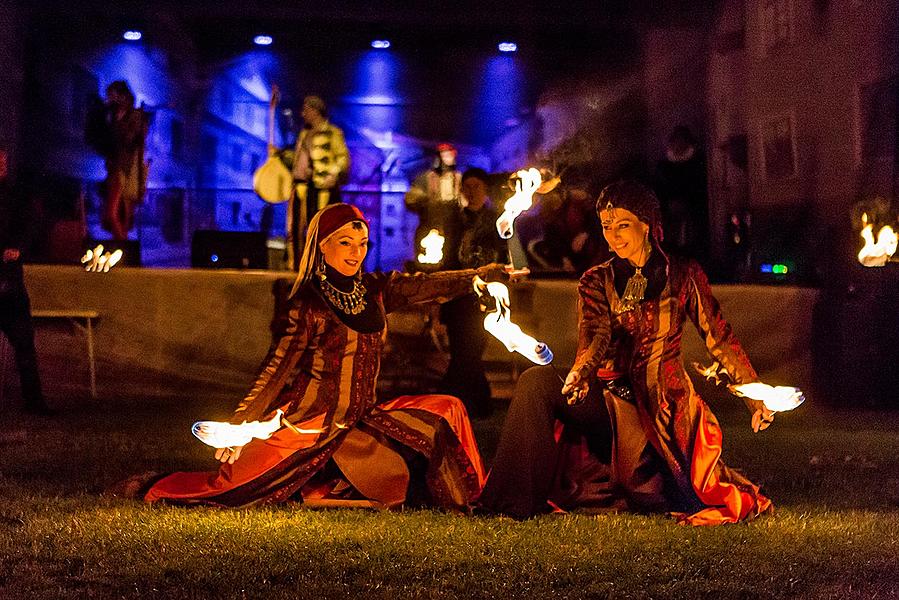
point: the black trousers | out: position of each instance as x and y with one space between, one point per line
523 472
15 323
465 376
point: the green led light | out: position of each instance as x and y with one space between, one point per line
779 269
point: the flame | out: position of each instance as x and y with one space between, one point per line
98 261
224 435
778 398
499 324
528 182
433 247
876 254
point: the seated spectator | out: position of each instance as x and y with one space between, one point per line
570 240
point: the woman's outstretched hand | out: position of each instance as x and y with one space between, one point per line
575 388
228 455
501 272
762 417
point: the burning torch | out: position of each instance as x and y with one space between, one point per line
876 253
432 244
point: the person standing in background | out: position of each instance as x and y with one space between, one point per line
683 194
15 306
118 131
472 242
435 195
321 164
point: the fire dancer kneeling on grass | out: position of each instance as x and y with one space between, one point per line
635 433
339 445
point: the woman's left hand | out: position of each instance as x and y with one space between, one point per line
575 388
762 417
501 272
228 455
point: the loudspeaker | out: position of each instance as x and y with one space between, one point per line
212 249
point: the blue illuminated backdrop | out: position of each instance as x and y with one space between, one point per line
395 100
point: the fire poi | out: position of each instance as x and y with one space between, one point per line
776 398
499 324
227 435
526 185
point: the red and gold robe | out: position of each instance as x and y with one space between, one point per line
323 375
666 441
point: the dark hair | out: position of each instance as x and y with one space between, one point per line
636 198
122 88
317 104
476 173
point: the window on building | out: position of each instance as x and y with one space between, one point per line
236 158
777 24
778 147
877 119
176 139
209 148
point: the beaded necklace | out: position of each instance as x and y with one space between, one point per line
349 303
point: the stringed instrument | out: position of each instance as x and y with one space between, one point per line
273 181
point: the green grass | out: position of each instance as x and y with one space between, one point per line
834 476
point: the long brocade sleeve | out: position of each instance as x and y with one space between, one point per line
705 312
278 372
401 289
594 324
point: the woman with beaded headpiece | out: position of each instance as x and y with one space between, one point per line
636 435
344 446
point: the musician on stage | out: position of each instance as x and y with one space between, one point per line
117 130
321 165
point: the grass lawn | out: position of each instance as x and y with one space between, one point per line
833 475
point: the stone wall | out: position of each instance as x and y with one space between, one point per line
201 332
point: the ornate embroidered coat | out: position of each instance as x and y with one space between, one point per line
667 442
323 375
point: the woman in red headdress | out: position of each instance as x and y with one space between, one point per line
636 434
322 375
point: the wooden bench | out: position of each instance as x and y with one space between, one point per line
83 320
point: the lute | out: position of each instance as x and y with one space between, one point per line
273 181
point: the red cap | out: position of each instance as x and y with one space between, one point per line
336 216
445 146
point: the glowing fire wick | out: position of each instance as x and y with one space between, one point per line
527 183
97 261
499 324
876 254
227 435
778 399
433 247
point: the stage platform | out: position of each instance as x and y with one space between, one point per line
197 332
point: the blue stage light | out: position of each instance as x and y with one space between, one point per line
507 47
263 40
214 258
380 44
132 35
